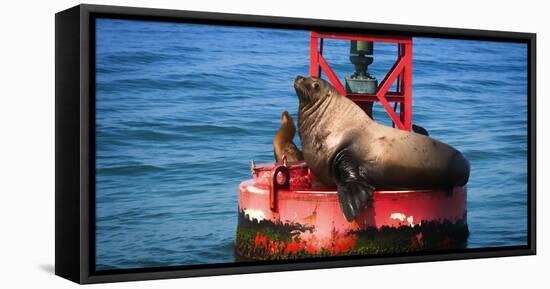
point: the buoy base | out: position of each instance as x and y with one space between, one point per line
266 240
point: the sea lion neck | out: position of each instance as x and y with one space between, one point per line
309 116
309 110
335 104
313 108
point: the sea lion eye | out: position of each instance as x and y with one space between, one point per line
315 85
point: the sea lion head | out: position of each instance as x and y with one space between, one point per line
311 90
288 123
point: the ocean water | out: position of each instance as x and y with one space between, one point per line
182 108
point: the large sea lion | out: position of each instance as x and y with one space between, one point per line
346 149
283 143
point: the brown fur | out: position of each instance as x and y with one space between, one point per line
283 141
391 158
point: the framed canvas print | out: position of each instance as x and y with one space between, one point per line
192 144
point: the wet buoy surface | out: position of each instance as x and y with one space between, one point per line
284 214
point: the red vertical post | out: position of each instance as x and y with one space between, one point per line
407 88
400 84
402 111
313 55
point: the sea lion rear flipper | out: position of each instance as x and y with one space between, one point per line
354 192
420 130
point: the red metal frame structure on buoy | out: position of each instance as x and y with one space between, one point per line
284 213
400 73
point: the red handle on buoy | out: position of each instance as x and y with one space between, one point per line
280 179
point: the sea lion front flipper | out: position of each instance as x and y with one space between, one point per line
354 192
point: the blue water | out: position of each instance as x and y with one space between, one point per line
182 108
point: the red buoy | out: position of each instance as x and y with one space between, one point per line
284 213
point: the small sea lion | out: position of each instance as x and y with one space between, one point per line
346 149
283 143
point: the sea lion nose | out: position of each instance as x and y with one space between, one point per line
299 79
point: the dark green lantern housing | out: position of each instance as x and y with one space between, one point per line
361 56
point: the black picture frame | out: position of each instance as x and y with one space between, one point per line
75 142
